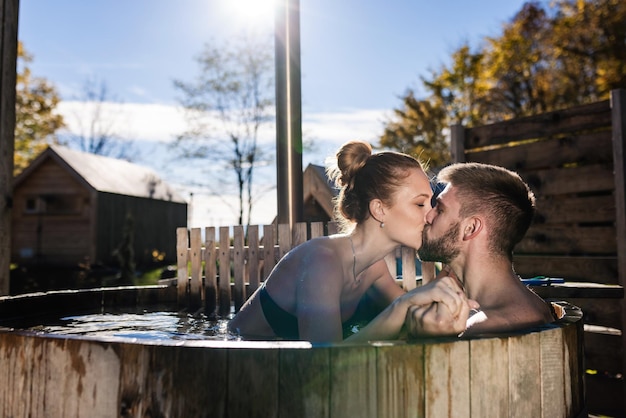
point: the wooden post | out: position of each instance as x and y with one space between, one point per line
253 259
409 277
618 117
317 229
182 257
195 256
457 143
239 291
8 52
284 239
269 257
210 271
224 283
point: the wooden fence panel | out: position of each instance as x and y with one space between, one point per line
553 239
579 118
575 209
585 148
573 160
558 181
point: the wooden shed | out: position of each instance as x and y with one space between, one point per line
318 192
71 207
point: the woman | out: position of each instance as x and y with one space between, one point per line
317 286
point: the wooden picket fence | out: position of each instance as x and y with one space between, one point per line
245 259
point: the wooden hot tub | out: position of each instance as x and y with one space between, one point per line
532 374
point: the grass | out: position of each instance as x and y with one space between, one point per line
150 277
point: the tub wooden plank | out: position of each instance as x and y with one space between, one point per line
489 377
524 381
135 379
81 377
552 377
252 383
447 379
304 383
574 368
23 373
400 380
353 382
172 381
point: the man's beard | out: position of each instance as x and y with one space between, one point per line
444 248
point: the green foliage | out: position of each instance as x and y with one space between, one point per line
148 278
35 104
546 58
418 130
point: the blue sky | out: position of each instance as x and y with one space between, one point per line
357 56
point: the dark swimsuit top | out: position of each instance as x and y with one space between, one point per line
284 324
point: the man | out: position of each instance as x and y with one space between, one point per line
479 217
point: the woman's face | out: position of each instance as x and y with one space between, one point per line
405 218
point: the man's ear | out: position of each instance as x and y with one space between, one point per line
377 210
472 228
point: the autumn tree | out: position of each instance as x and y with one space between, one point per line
458 87
36 121
590 39
225 108
520 66
546 58
418 129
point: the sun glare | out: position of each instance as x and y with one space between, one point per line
251 12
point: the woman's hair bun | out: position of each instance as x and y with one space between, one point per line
351 157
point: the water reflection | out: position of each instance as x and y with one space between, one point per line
146 326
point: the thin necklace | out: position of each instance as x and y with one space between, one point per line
353 261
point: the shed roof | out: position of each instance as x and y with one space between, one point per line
106 174
318 186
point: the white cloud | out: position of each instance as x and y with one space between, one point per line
160 123
131 121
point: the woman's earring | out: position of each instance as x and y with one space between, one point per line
382 224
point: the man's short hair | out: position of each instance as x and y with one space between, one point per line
497 193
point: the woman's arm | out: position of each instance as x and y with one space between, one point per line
388 324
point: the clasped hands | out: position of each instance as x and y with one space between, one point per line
438 308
